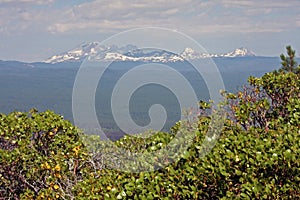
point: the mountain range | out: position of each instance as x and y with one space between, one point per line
95 51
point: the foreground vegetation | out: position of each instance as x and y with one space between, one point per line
257 155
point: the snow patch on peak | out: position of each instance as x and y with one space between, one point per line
131 52
190 54
239 52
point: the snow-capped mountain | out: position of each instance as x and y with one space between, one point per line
239 53
130 52
92 49
190 54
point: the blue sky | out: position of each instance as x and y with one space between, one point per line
33 30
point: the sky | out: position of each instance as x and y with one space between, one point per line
33 30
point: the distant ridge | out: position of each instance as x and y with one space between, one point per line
133 53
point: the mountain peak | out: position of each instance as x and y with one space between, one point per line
190 54
133 53
242 51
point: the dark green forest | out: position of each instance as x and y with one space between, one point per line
256 156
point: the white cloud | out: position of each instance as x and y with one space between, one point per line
17 17
224 15
27 1
190 16
124 15
260 4
73 21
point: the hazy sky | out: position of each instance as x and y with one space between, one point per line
33 30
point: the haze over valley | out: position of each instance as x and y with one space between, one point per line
49 84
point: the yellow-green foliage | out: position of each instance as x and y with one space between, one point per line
256 157
40 153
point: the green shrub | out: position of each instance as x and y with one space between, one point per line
257 155
244 164
41 155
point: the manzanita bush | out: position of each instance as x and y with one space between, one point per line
257 155
41 155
